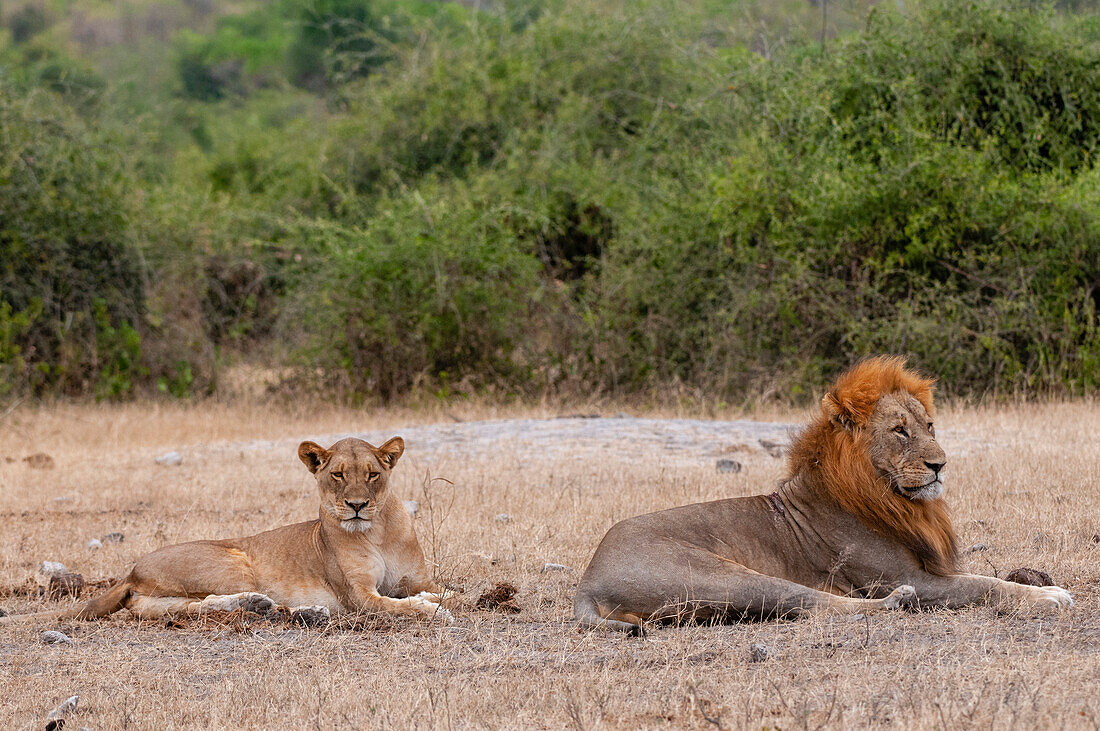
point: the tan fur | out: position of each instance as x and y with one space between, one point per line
860 513
360 554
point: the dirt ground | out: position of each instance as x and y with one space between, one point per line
502 494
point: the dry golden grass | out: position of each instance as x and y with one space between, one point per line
1023 481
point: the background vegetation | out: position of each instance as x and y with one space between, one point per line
547 197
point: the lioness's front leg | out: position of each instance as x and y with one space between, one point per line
963 590
412 606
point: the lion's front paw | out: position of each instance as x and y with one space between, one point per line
1049 597
903 597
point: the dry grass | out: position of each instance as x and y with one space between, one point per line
1023 481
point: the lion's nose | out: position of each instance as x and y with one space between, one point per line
935 466
355 506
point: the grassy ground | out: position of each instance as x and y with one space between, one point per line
1022 480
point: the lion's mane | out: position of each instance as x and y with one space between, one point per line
832 455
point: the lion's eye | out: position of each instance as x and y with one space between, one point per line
337 475
931 428
901 430
372 476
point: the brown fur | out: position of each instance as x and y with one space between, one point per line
832 456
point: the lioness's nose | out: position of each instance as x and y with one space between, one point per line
355 506
935 466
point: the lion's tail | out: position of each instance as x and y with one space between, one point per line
588 616
109 602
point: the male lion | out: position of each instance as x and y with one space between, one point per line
361 553
860 513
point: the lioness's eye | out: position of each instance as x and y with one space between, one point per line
900 430
372 476
337 475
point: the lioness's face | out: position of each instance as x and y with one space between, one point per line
352 476
904 448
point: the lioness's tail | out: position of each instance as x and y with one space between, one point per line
588 616
106 603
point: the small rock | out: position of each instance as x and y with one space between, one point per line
56 717
65 585
170 459
503 518
759 652
63 499
114 537
554 567
412 506
772 448
94 545
1096 537
728 465
52 568
53 637
39 461
857 617
1031 577
976 548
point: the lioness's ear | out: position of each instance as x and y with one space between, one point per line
313 455
391 451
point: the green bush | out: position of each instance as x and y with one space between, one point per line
574 197
433 293
70 276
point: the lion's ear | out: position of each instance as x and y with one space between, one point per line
390 452
850 405
313 455
835 412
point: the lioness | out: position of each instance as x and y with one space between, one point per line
861 512
361 553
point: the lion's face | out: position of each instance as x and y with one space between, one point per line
352 476
904 448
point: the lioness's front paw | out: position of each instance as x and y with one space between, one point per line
314 616
1049 597
902 597
433 609
252 601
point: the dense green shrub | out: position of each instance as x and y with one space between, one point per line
575 197
434 291
70 276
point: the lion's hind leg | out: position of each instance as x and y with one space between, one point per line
701 586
